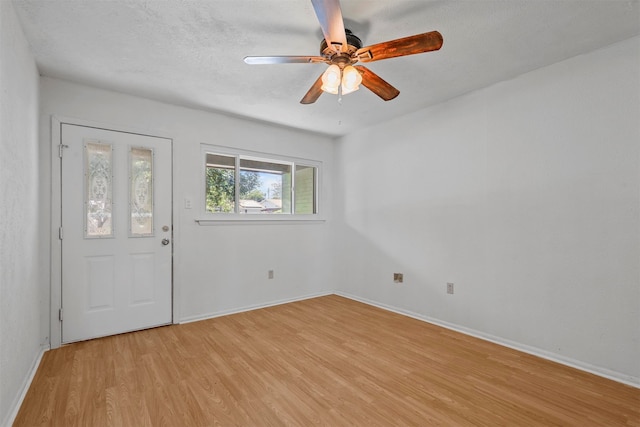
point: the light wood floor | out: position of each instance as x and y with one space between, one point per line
325 361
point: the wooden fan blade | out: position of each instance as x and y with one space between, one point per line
259 60
376 84
411 45
330 17
314 93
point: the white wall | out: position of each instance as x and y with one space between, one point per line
19 233
222 268
525 195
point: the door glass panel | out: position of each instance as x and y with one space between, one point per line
98 190
141 191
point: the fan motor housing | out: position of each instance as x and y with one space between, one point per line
353 44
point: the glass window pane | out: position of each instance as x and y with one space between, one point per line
220 183
98 190
265 187
305 188
141 191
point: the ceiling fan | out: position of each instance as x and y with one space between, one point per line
341 49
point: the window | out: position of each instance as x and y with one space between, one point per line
245 183
220 183
267 184
305 177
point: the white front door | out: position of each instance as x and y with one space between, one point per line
116 232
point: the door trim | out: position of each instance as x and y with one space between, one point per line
55 325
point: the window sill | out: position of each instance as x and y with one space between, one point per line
259 221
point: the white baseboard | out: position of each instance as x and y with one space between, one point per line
214 314
596 370
17 403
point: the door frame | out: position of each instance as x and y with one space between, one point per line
55 324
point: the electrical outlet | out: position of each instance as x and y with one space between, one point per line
270 274
397 277
449 288
187 203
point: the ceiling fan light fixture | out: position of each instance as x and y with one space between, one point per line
351 80
331 79
340 48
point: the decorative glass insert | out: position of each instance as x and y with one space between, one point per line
98 189
141 191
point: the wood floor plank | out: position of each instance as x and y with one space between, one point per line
324 361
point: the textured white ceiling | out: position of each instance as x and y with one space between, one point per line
191 52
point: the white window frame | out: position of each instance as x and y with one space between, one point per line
214 218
